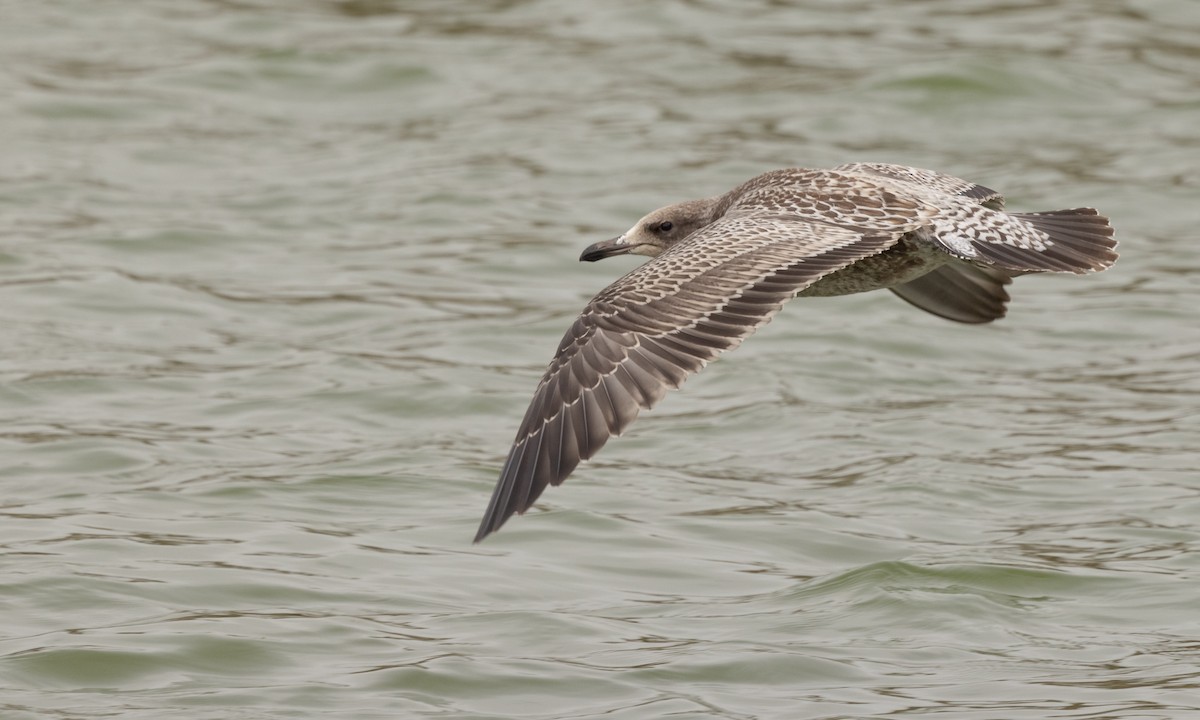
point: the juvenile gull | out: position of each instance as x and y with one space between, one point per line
723 266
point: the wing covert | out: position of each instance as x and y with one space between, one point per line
929 179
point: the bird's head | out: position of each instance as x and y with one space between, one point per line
654 233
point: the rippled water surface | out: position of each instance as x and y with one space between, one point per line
277 280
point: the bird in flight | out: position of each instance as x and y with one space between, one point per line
721 267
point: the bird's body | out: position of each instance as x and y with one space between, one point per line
723 266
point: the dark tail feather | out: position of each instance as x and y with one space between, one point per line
1081 240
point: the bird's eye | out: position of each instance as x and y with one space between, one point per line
665 226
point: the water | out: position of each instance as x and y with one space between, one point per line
277 280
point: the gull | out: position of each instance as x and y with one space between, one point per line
722 266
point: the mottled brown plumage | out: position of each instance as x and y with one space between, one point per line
723 266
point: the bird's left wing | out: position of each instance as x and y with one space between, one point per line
648 331
928 179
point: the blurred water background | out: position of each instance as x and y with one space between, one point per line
277 278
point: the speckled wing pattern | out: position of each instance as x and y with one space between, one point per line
930 179
835 198
648 331
971 225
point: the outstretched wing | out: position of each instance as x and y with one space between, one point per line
647 332
947 184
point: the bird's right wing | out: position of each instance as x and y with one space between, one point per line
648 331
960 291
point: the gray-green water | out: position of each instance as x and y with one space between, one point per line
277 279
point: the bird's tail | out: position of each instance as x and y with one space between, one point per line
1080 240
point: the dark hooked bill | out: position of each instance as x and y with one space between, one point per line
603 249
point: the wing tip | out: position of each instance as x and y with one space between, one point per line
485 529
492 518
